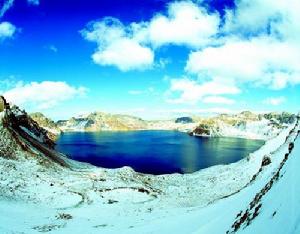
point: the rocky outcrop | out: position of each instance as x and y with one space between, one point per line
99 121
20 133
202 130
49 125
184 120
280 118
245 125
3 104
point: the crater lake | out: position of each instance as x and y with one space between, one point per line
154 152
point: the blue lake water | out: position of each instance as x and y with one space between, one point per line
154 152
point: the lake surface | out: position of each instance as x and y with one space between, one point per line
154 152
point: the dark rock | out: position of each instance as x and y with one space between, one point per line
266 161
202 129
3 104
184 120
291 146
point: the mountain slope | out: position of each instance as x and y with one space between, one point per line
46 123
99 121
244 125
50 193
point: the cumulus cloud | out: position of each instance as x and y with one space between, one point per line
43 95
274 101
264 16
117 46
7 30
185 23
189 91
259 46
263 61
126 54
132 46
256 44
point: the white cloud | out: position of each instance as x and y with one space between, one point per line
264 17
126 54
261 61
190 92
274 101
256 45
186 23
42 95
131 46
7 30
260 46
116 46
218 100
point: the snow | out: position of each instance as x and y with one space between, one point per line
38 138
52 130
79 126
37 196
260 130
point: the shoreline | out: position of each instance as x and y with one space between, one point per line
116 134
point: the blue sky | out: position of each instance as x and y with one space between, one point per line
153 59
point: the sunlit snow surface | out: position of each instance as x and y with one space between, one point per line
186 203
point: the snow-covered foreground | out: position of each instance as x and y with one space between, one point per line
43 197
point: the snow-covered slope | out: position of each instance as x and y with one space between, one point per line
244 125
37 194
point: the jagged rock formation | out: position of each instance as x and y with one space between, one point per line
245 124
99 121
52 128
280 118
3 104
184 120
20 133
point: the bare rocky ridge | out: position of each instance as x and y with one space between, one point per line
21 133
99 121
244 125
52 128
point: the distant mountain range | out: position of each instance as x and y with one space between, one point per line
245 124
99 121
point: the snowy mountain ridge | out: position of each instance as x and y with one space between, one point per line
63 196
242 125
